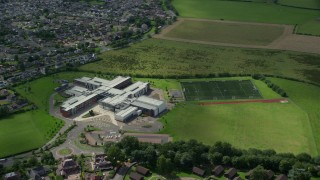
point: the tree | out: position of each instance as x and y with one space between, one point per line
299 174
215 158
129 144
161 164
304 157
259 173
226 160
115 154
164 165
33 161
285 166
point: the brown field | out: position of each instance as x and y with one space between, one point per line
286 41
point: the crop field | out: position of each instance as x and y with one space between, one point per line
226 32
247 11
285 127
32 129
313 4
165 58
220 90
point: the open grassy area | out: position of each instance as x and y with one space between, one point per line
314 4
26 131
163 58
289 127
32 129
307 98
246 11
226 32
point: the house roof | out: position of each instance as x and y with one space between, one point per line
69 163
231 173
135 176
198 171
281 177
142 170
218 170
237 178
270 174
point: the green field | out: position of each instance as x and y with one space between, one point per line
247 11
32 129
164 58
220 90
26 131
235 33
289 127
313 4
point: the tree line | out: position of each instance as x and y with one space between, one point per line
183 155
271 85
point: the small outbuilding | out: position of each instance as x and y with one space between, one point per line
198 171
237 178
135 176
142 170
218 170
231 173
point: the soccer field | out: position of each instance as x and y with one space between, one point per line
220 90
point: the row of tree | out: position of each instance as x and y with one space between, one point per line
271 85
183 155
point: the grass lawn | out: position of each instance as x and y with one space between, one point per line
65 151
245 11
314 4
224 32
307 98
163 58
289 127
32 129
26 131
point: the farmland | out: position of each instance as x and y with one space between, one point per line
226 32
313 4
170 58
246 11
292 123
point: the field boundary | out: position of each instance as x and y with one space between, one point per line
287 41
280 100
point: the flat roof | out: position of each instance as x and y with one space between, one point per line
150 101
143 105
118 80
75 101
127 111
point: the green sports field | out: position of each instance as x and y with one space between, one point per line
285 127
247 11
220 90
226 32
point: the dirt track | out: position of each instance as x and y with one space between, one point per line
244 101
287 41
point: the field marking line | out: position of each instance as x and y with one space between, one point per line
242 88
219 90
